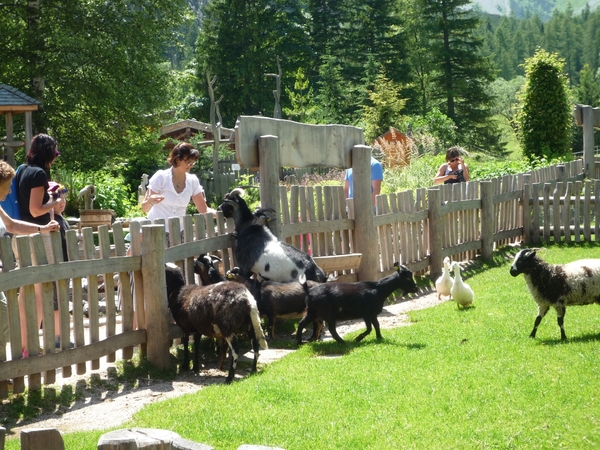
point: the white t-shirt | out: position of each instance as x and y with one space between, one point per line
174 204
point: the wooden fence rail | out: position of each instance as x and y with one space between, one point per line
416 229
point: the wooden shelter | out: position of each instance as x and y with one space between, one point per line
13 102
186 129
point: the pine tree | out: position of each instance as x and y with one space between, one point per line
462 75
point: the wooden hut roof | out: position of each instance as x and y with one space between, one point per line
179 129
13 100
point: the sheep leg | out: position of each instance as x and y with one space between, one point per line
196 365
317 328
301 326
186 354
542 310
331 324
560 316
255 348
375 323
361 336
233 347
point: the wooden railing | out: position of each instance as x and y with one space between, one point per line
416 229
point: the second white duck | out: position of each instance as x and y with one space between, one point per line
461 292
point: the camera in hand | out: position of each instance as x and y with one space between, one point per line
459 179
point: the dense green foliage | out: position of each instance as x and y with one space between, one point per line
453 379
95 66
110 74
545 120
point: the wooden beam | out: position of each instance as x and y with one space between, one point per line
338 262
17 108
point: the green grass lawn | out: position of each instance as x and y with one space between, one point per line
456 379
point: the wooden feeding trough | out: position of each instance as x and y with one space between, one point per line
95 217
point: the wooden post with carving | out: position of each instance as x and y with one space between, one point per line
268 149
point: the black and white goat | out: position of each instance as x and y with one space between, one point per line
333 302
219 310
278 300
258 251
558 285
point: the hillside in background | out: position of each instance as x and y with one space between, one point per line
520 8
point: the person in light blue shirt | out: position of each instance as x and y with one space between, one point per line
376 179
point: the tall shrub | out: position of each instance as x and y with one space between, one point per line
545 119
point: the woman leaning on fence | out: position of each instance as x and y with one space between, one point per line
170 191
7 224
35 203
455 170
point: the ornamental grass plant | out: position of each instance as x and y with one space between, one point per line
454 379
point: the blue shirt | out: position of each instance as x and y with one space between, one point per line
376 174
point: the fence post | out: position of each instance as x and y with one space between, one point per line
561 172
436 231
153 272
364 226
587 114
487 220
526 209
268 157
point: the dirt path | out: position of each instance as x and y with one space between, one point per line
106 404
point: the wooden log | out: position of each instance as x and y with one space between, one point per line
77 291
363 213
153 271
62 290
269 162
109 287
487 221
38 438
89 250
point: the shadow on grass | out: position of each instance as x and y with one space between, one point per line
335 349
585 338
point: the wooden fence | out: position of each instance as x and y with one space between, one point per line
416 229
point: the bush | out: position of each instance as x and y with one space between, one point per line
112 191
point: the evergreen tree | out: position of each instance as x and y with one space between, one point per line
461 73
335 95
546 117
239 42
385 109
563 36
302 107
588 91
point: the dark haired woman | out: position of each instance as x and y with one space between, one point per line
454 171
35 203
170 191
8 224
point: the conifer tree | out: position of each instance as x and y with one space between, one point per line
462 74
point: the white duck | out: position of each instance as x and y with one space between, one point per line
444 283
461 292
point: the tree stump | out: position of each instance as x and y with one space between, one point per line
46 438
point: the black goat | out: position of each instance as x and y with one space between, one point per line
219 310
278 300
558 285
333 302
258 251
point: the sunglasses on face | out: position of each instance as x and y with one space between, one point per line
454 160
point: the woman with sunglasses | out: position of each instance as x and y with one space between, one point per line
170 191
454 171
